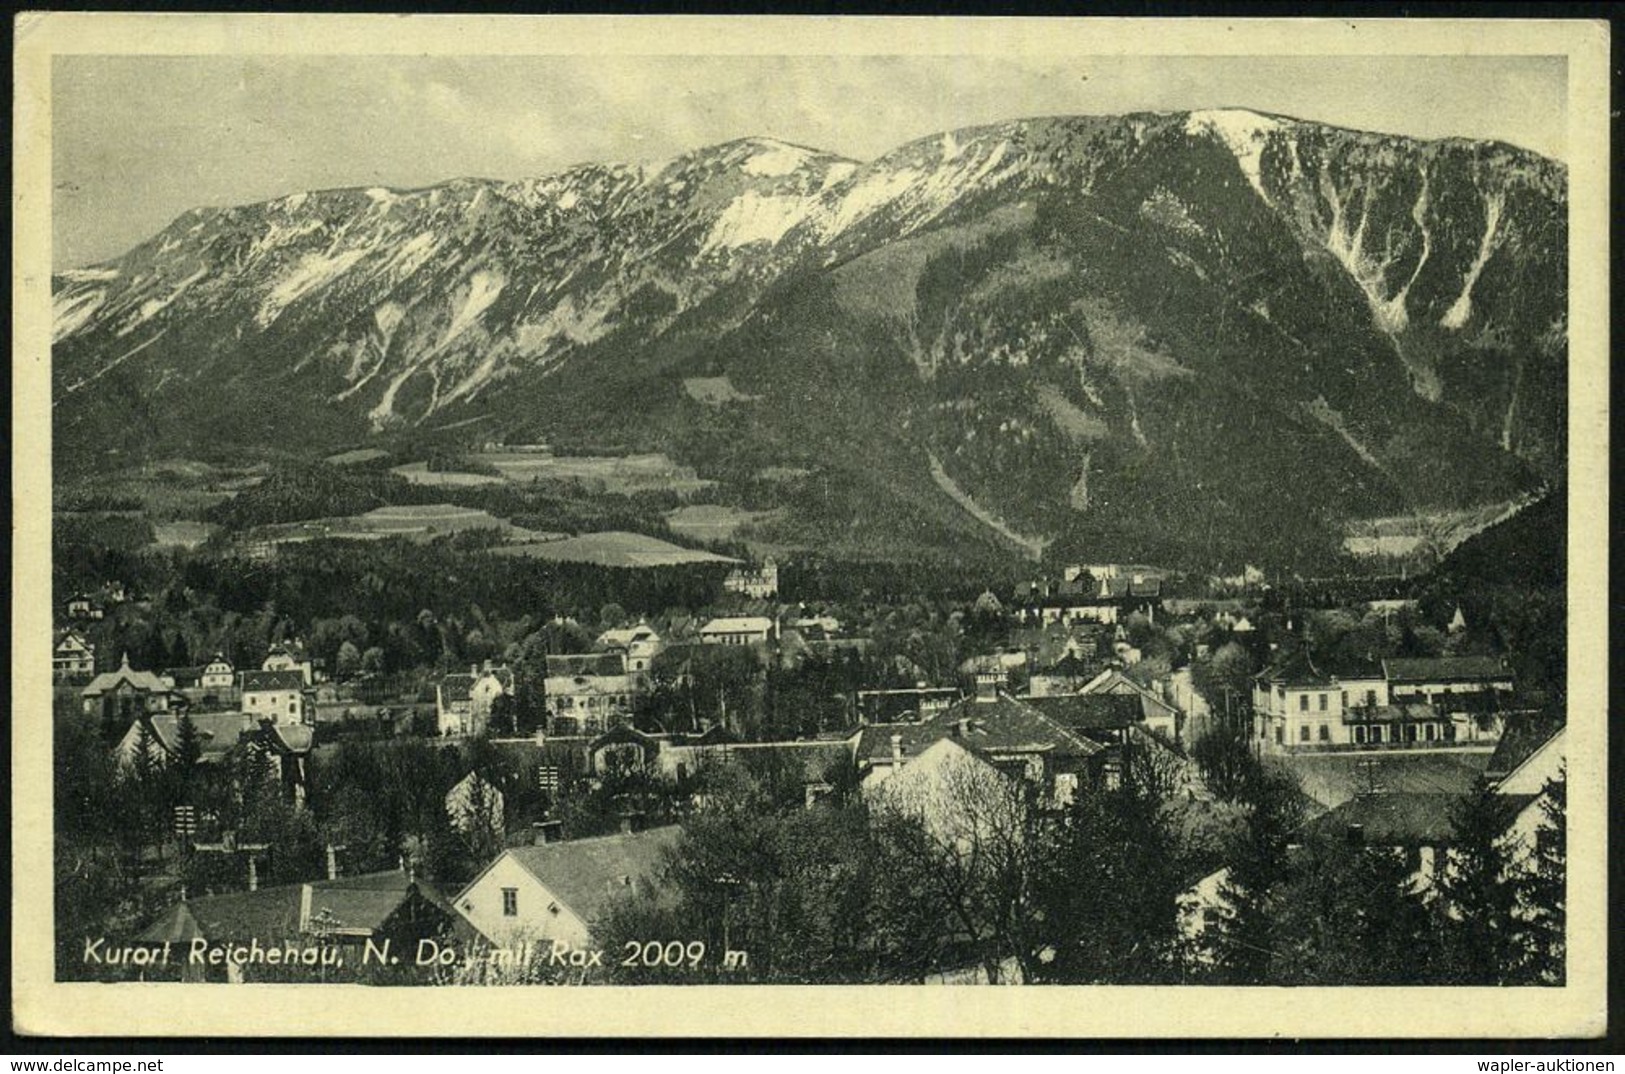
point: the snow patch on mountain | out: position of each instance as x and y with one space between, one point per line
88 275
312 271
777 160
483 288
1462 308
753 217
836 174
1244 133
154 306
70 311
867 196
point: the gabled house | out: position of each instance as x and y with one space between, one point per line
218 733
218 675
83 606
1527 759
589 693
73 659
904 705
738 630
558 891
758 582
303 932
1159 714
1010 734
290 657
127 693
463 703
639 644
278 696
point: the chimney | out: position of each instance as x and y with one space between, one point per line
332 863
897 749
961 727
304 907
987 685
546 831
253 874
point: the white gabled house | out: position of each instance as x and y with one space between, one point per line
557 891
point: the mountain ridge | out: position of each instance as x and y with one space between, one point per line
1078 292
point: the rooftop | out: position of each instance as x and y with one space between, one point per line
272 680
585 874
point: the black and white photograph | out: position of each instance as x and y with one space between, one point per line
939 504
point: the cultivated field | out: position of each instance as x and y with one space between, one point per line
611 473
714 522
613 549
416 522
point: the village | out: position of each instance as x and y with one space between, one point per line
550 801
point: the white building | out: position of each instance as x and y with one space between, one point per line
738 630
758 582
278 696
218 674
641 644
556 891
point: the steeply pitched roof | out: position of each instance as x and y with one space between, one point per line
1296 669
272 914
585 874
1113 681
1396 819
1444 669
1001 725
1522 738
272 680
217 732
567 664
738 624
1082 713
109 680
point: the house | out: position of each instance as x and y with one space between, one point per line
287 746
640 645
278 696
759 582
588 693
1466 685
217 674
1528 758
1418 824
1067 675
474 803
127 693
289 657
558 891
73 659
962 798
1015 737
1083 596
1159 715
218 733
309 932
738 630
904 705
83 606
464 703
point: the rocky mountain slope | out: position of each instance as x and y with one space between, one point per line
1165 331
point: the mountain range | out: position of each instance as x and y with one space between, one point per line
1157 334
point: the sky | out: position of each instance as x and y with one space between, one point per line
137 140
